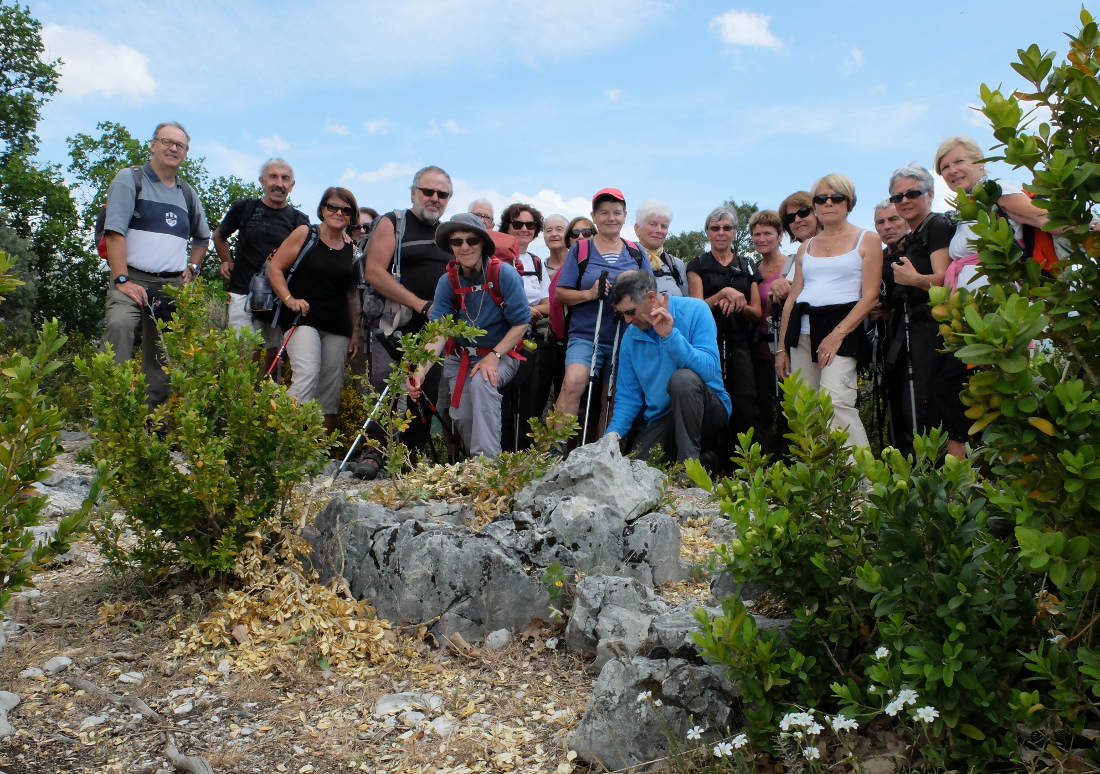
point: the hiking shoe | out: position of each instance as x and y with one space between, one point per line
366 470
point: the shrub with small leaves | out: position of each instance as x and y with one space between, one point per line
195 477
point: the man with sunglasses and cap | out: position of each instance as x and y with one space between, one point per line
261 226
408 277
156 234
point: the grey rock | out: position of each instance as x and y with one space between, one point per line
413 571
593 534
57 664
91 721
131 677
459 514
393 703
723 585
183 709
498 640
618 730
721 530
611 616
598 471
6 728
8 701
651 550
412 718
31 673
440 727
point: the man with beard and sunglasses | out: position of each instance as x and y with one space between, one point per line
261 226
408 277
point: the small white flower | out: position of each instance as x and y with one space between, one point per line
796 719
645 695
811 753
841 723
894 707
1057 639
657 702
907 696
722 749
696 732
873 689
739 741
814 728
927 714
882 653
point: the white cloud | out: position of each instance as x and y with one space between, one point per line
92 64
229 161
436 128
745 28
335 128
450 125
614 94
546 201
378 126
273 144
853 61
388 171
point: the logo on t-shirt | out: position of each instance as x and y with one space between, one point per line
171 219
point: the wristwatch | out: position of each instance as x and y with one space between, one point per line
194 267
121 279
499 356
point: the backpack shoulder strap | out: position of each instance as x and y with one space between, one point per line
668 260
139 179
311 239
492 277
634 251
398 235
194 206
247 209
583 248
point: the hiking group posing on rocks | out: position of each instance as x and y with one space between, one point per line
680 352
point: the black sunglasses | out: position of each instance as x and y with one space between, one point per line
916 193
582 233
801 212
430 192
349 211
834 198
518 224
470 240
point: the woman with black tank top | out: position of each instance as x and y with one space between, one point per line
729 283
322 288
937 377
836 281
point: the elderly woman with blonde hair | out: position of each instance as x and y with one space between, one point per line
836 284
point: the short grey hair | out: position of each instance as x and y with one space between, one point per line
175 124
725 212
555 216
913 171
883 205
476 202
426 170
650 208
634 284
276 162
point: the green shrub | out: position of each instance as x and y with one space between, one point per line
1038 419
212 465
872 553
29 427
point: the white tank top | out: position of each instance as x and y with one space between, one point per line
831 279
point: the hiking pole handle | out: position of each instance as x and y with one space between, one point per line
602 282
363 430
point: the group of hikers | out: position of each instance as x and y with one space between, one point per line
663 351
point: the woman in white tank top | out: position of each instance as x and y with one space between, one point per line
836 282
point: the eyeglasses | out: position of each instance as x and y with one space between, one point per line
834 198
528 224
801 212
360 227
582 233
916 193
485 218
335 208
428 193
470 241
716 228
628 312
164 141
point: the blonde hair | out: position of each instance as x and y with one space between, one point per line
973 151
842 184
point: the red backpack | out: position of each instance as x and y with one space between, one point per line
559 315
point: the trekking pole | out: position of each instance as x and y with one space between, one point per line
777 409
362 430
279 355
909 363
602 282
611 376
456 439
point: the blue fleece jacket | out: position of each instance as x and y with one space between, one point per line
646 361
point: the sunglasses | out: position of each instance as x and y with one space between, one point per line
727 228
834 198
334 208
528 224
627 312
428 193
582 233
801 212
916 193
469 241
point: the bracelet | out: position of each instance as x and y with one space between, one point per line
427 306
781 351
287 299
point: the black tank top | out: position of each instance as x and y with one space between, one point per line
422 262
322 279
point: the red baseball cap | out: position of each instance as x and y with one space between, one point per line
605 194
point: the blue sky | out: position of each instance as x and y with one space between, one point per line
548 101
